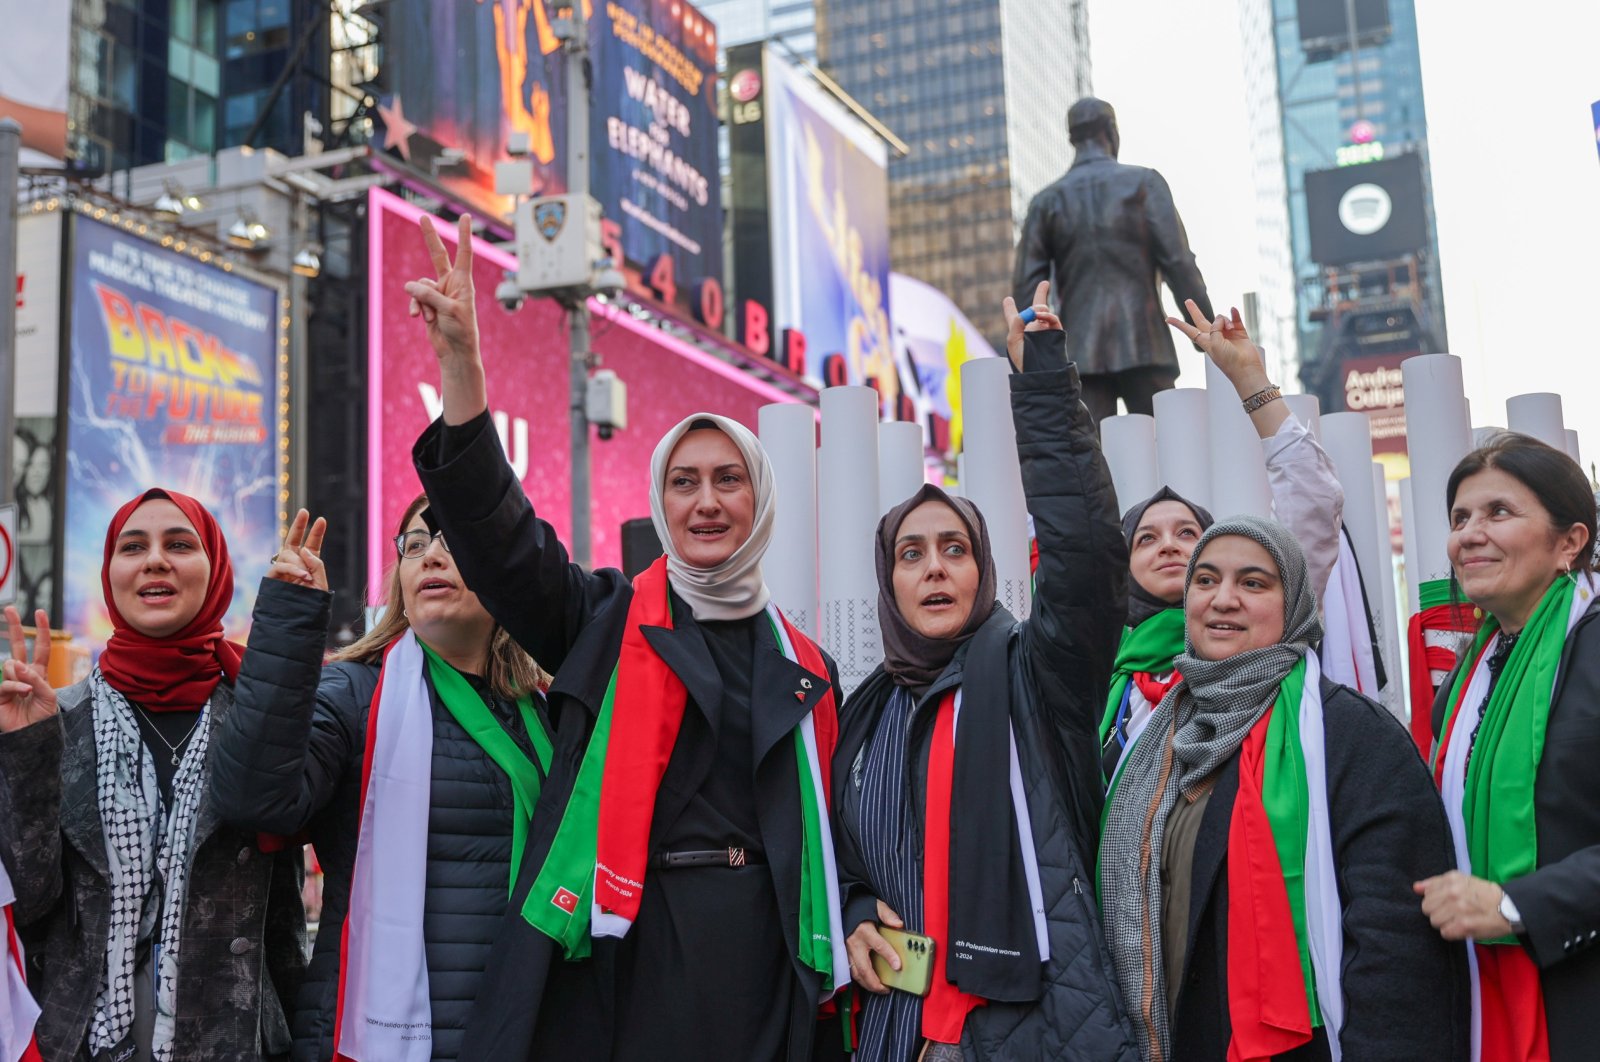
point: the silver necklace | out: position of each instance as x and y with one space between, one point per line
177 757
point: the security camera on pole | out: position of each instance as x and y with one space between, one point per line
559 256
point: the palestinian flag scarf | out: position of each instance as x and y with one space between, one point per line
592 880
1285 937
1487 786
1148 649
18 1011
384 1009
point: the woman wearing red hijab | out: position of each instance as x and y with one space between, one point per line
152 930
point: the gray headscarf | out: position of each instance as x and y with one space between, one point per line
910 658
1207 714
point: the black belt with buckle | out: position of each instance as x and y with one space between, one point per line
713 857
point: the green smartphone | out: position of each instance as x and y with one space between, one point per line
916 961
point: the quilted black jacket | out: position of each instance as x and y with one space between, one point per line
1060 662
289 760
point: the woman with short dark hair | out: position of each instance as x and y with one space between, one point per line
1516 726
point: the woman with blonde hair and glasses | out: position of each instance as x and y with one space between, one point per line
434 716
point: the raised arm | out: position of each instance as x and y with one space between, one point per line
1306 495
509 557
282 750
30 772
1081 586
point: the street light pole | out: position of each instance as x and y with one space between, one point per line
10 153
577 50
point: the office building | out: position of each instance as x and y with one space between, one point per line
1332 86
165 80
979 93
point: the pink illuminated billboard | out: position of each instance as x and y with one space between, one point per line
525 356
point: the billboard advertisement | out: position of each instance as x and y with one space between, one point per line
1368 212
173 382
932 340
525 356
811 220
35 456
474 75
1371 384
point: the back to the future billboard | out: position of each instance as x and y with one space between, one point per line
474 75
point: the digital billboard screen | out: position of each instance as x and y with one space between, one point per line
471 76
1368 212
173 382
525 355
813 188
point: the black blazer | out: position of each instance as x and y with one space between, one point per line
1407 997
1560 901
572 622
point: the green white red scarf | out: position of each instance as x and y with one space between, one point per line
592 880
18 1011
1285 936
1148 649
384 1013
1488 792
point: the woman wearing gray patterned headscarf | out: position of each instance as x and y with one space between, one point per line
1261 837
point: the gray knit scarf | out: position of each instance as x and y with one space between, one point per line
1199 726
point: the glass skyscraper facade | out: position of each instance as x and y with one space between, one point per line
164 80
978 90
1315 113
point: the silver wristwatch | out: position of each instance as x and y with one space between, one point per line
1509 912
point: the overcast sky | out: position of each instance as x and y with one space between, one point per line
1516 173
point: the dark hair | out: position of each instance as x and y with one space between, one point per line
1553 477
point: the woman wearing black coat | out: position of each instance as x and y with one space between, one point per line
1260 839
419 874
931 837
1519 718
692 914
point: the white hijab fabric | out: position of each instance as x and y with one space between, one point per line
735 588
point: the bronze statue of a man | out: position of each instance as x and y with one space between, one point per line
1106 234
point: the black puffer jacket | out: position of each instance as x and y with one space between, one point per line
1060 662
289 759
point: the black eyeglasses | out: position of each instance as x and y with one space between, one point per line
413 544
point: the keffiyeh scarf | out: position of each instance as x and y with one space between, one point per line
146 843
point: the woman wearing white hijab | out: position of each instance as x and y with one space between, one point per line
682 839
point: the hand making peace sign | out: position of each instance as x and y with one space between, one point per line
25 694
446 304
300 559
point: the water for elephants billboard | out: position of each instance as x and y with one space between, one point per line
469 75
525 357
173 383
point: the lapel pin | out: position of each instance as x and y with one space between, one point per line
805 684
800 695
